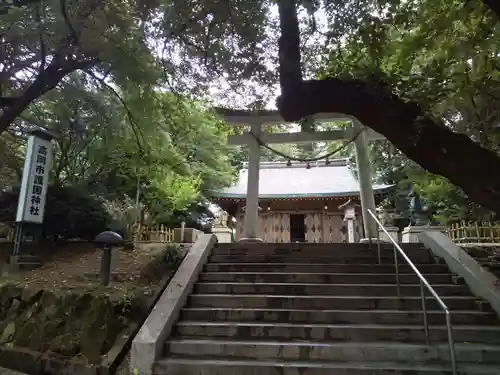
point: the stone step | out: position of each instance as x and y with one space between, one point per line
26 262
336 332
311 246
331 258
226 366
340 316
327 302
332 351
326 289
322 268
493 266
319 251
28 266
319 278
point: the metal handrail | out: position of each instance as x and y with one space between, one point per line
423 282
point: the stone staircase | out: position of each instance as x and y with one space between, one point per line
487 257
323 309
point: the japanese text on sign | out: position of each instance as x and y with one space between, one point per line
41 160
35 179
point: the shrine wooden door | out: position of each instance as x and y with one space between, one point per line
313 227
274 227
331 228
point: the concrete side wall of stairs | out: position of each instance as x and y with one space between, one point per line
148 344
482 283
318 309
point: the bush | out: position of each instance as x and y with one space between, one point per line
69 213
167 261
172 256
123 214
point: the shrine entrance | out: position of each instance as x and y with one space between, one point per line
275 184
297 228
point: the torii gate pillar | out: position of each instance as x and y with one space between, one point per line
252 202
365 181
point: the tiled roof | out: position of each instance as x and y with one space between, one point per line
277 180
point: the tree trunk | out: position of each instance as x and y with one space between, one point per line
425 140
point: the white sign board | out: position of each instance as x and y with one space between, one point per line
37 164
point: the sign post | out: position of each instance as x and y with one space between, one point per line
31 205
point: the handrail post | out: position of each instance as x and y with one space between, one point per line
424 311
451 343
397 271
378 245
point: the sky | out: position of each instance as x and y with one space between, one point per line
223 95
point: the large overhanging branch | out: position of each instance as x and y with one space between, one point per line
49 76
45 81
423 139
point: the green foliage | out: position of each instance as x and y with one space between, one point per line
69 213
198 216
178 155
170 149
101 38
163 263
447 201
442 55
172 256
123 216
11 166
124 305
117 135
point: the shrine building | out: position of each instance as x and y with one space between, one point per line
301 202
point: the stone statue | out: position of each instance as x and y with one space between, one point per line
385 217
221 221
417 213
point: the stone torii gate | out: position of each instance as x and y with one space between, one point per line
257 119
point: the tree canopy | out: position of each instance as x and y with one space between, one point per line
167 161
422 73
446 62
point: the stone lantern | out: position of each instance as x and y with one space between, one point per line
108 240
349 208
